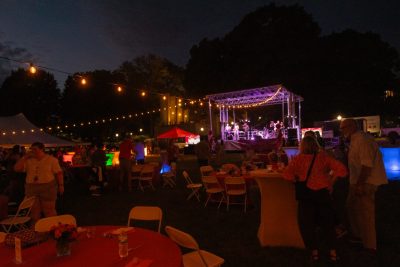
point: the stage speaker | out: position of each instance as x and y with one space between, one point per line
292 134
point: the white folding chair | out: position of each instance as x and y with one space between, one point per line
169 177
213 187
195 187
146 177
135 173
235 187
146 213
45 224
195 258
206 170
21 217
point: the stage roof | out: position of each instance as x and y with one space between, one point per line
263 96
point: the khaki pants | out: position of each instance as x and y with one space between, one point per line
361 214
46 196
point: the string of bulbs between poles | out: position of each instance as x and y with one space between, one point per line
32 68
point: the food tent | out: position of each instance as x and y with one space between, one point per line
175 133
18 130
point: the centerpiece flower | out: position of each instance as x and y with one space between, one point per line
63 234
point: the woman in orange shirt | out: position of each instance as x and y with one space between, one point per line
316 210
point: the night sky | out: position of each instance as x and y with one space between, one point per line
84 35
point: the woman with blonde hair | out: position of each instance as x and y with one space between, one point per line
319 171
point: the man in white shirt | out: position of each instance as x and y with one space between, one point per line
367 172
44 177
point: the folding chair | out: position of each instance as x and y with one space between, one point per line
195 258
213 187
195 187
206 170
21 217
146 176
146 213
235 186
135 173
169 177
45 224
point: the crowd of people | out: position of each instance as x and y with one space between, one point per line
36 173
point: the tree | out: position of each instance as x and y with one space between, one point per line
269 46
344 73
354 70
35 95
153 73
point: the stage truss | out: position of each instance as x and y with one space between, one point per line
257 97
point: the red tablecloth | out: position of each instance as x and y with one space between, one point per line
100 251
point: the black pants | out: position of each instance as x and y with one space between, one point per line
314 212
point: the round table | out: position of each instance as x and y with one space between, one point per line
151 248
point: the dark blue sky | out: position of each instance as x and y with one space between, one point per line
83 35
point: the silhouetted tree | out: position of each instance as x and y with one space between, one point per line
269 46
35 95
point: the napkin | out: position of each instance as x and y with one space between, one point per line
122 230
136 262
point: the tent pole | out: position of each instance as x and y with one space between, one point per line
209 111
299 121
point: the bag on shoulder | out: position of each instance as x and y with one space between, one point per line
302 191
28 238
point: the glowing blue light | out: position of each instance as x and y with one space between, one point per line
165 168
391 160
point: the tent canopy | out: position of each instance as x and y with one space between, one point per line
18 130
175 133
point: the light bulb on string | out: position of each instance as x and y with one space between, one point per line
32 69
83 81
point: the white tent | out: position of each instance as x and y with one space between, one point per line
17 130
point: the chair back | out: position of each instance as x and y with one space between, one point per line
147 170
45 224
137 168
206 170
184 240
26 205
187 177
173 167
210 181
235 181
181 238
146 213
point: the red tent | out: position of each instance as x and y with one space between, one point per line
175 133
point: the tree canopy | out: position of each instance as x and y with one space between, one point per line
344 72
37 96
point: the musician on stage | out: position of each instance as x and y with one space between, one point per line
236 131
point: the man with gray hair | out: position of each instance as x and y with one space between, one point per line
367 172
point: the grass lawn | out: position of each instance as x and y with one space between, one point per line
231 235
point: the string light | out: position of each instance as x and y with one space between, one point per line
32 69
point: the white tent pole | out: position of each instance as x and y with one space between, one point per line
209 110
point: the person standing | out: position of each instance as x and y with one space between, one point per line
125 162
139 152
316 208
44 178
202 152
367 173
